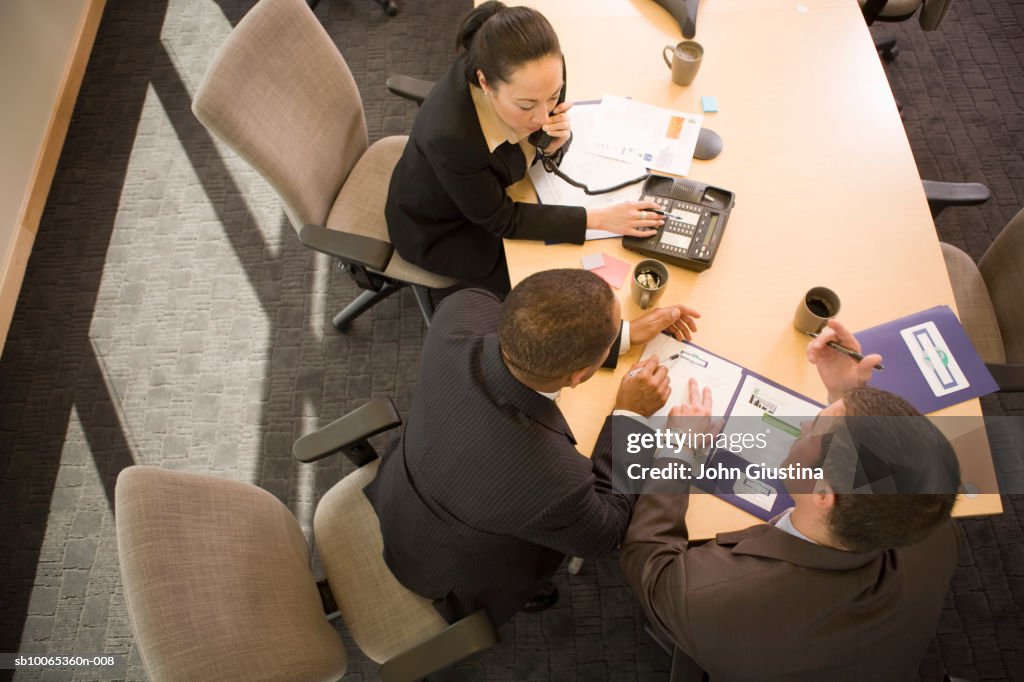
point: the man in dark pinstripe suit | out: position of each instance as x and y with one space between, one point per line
486 493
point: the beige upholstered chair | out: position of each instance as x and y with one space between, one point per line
931 15
218 585
280 95
990 299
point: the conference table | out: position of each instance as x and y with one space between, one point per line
827 194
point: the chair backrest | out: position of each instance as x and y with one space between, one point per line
1002 267
217 581
383 616
933 12
280 95
931 15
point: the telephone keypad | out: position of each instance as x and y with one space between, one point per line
695 217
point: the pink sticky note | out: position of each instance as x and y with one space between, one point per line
614 271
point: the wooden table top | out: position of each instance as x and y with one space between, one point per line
827 193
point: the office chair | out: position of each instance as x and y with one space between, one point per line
932 14
218 585
389 6
280 95
988 297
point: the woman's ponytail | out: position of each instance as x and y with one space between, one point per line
473 21
496 40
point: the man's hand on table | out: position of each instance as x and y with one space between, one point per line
678 320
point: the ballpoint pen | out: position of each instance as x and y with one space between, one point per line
674 356
843 349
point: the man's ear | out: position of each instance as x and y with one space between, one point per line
578 377
824 497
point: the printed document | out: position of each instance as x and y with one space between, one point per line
596 172
660 139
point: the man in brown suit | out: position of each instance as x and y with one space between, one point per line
844 586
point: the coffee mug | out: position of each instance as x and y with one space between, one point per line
650 277
685 62
816 308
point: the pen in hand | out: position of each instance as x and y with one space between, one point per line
665 362
846 351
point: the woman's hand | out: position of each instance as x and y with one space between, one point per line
558 127
629 218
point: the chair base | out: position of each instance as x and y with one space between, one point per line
389 6
363 302
368 299
886 47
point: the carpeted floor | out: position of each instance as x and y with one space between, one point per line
169 316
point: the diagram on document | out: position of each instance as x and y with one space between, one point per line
749 404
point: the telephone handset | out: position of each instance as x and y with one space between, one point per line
541 139
695 218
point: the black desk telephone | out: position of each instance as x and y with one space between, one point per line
695 220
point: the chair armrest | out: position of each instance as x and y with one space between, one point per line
683 11
1009 377
349 434
350 248
943 194
463 638
409 87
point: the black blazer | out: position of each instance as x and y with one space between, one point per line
447 210
486 491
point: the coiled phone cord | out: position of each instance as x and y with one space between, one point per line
551 167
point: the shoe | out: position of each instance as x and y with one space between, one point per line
545 599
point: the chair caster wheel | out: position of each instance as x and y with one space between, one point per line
575 565
890 54
389 6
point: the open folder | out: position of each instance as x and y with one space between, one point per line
749 403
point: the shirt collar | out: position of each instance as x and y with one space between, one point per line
784 522
552 396
495 131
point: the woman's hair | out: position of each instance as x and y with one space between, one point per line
497 40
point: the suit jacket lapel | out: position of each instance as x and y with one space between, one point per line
506 390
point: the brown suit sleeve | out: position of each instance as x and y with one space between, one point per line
654 557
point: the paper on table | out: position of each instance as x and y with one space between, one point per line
613 271
779 410
594 171
720 375
661 139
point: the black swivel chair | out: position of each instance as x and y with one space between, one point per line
389 6
931 15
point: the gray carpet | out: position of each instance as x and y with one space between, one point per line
170 317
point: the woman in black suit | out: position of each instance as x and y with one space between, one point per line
447 210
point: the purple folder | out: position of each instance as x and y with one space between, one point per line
928 360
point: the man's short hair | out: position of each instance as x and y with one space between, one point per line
894 473
556 322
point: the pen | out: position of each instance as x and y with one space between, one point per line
674 356
842 349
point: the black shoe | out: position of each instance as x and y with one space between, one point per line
545 599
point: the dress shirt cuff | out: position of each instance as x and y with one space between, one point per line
624 342
630 413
